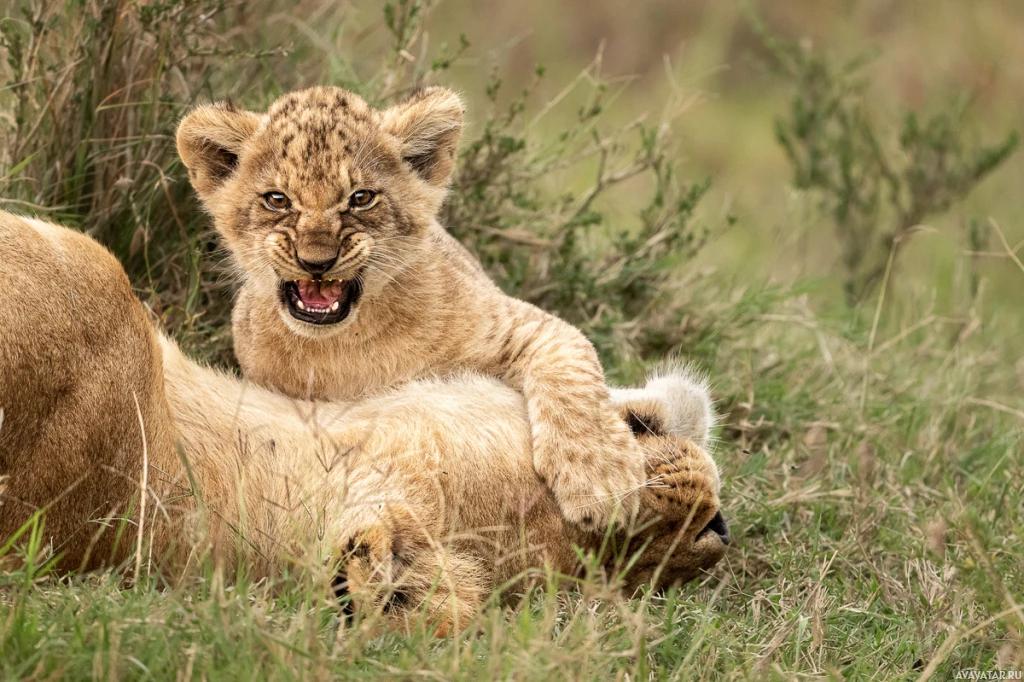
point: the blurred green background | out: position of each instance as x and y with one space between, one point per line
925 54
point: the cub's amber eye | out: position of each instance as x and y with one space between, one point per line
361 198
276 200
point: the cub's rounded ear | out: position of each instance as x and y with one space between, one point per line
676 401
210 140
645 414
428 125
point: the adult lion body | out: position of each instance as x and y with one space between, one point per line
427 494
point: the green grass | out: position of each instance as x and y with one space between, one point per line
866 544
872 472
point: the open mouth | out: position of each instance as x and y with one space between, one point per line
315 301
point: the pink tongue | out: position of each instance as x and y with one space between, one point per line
319 294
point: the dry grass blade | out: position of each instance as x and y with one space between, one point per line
143 491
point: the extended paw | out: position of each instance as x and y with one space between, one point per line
394 572
682 531
678 531
595 487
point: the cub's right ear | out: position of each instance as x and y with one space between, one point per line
210 140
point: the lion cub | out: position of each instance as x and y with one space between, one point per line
350 284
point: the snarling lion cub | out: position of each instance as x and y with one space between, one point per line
351 285
425 497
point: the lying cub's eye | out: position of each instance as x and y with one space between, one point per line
276 200
361 198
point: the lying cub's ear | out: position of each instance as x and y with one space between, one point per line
645 414
429 125
676 401
209 142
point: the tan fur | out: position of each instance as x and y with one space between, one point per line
427 308
426 494
70 373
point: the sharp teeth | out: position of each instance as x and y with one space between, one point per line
335 306
302 306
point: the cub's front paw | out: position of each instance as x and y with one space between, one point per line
398 578
595 482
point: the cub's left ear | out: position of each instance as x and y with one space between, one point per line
428 125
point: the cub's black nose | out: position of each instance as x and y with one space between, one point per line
317 269
718 526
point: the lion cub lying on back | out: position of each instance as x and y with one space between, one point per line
350 285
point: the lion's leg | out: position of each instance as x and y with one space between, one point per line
396 571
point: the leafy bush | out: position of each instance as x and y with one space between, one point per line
877 192
88 115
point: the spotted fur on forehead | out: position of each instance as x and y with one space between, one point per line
322 132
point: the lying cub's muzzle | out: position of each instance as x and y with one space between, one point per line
719 527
